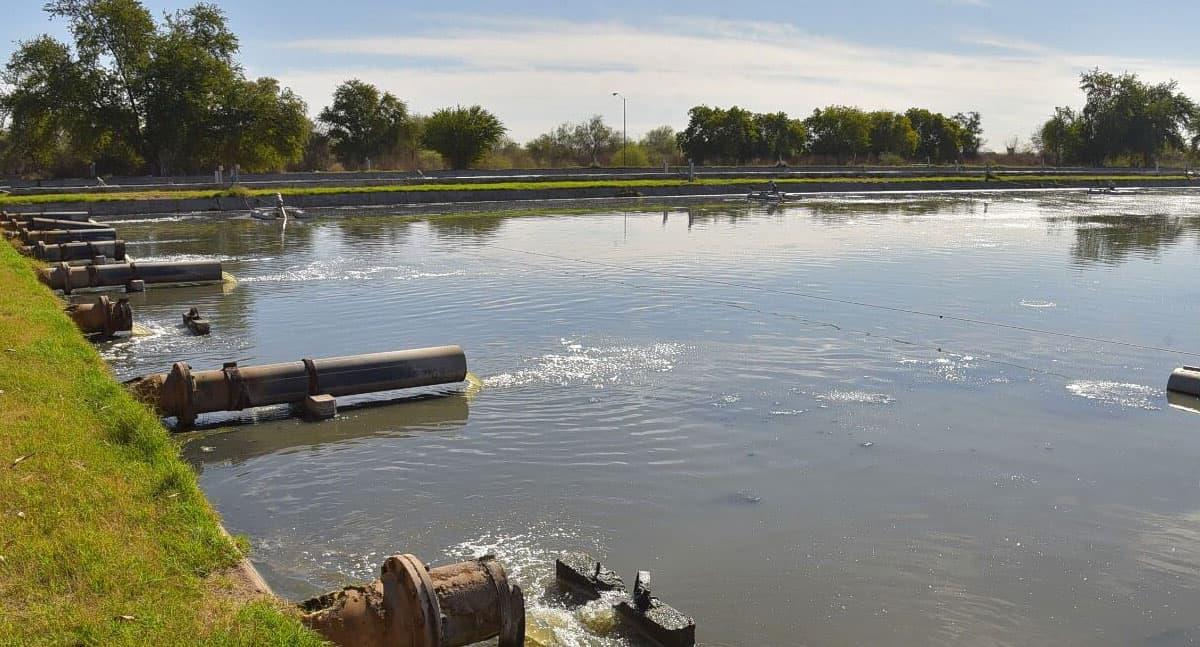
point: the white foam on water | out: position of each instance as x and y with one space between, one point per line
1129 396
346 270
1028 303
580 364
531 565
855 397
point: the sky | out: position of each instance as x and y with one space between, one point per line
538 63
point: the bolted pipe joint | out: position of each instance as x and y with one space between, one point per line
412 605
78 251
66 278
103 317
184 393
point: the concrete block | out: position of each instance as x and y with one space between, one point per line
320 407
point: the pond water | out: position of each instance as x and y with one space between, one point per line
906 420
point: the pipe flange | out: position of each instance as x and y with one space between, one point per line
511 602
177 397
64 269
414 614
314 378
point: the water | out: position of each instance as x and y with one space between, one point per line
740 399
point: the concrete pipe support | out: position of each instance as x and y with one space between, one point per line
66 278
103 317
42 224
412 605
185 393
31 236
79 251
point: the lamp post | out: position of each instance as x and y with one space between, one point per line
624 129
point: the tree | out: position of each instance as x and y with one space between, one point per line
891 133
593 137
363 123
840 132
660 145
1061 136
263 126
553 149
135 95
937 136
462 135
779 137
699 141
970 134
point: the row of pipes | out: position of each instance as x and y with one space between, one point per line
411 604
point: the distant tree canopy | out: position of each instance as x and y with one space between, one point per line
1123 120
364 124
131 95
462 136
839 133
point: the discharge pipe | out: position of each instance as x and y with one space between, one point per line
185 393
78 251
54 236
66 278
103 317
412 605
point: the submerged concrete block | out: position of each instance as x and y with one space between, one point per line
583 575
320 407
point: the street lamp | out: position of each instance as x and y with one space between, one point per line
624 129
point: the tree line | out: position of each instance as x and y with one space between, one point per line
128 94
1124 120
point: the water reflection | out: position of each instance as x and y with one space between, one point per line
255 435
1112 239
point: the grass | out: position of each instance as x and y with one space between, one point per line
105 536
243 192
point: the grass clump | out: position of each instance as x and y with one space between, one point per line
105 537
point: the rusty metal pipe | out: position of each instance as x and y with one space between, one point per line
67 278
104 317
78 251
185 393
412 605
31 236
42 224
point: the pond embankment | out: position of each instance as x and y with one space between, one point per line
143 202
105 537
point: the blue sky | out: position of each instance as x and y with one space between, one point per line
538 63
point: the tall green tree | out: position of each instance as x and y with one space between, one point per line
891 134
1061 136
839 131
134 95
780 137
970 134
364 123
938 138
462 135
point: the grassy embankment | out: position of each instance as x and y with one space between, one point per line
796 184
105 537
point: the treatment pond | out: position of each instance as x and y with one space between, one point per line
903 420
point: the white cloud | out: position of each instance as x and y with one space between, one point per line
537 73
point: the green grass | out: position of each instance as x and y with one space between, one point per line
556 185
105 536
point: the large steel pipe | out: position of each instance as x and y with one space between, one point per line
66 278
412 605
104 317
55 236
79 251
185 393
42 224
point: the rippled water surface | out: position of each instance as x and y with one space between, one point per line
847 421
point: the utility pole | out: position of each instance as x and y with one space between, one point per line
624 130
